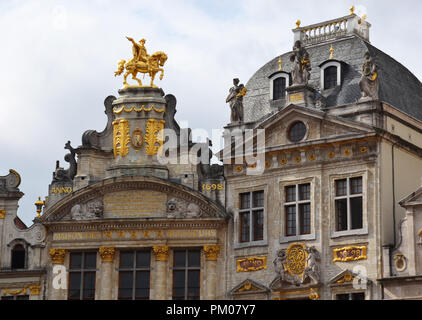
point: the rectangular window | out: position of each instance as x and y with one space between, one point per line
82 274
279 88
351 296
186 274
348 204
297 208
134 275
251 216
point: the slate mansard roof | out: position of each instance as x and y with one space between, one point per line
398 87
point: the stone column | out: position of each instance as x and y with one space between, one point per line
160 278
58 285
211 255
106 276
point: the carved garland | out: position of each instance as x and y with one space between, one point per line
121 137
154 135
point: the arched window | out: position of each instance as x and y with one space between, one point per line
279 88
18 257
330 77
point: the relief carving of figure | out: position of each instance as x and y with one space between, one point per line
175 208
235 100
369 81
302 64
312 269
95 208
91 210
192 211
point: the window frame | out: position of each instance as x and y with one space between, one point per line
273 77
364 195
186 268
251 219
82 271
325 65
284 237
134 270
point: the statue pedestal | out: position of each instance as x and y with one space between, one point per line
301 95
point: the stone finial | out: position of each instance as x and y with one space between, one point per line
161 252
107 254
57 255
211 252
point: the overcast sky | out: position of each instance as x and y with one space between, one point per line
57 63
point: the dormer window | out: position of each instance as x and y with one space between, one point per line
18 257
279 81
330 74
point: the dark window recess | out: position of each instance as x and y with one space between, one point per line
341 213
18 257
348 204
134 275
251 216
297 131
330 77
291 220
279 88
186 274
298 209
82 273
351 296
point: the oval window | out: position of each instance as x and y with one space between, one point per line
297 131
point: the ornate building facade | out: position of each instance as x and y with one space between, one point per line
315 214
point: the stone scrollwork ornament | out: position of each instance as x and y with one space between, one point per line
141 62
297 264
368 83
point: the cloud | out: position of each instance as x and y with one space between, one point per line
58 59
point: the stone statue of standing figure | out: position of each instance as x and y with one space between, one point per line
302 64
369 81
235 99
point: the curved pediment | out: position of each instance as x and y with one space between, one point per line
133 197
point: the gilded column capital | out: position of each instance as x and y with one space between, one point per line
107 253
211 252
57 255
161 252
2 213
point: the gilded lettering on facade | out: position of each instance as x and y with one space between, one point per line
61 190
121 137
251 264
154 136
352 253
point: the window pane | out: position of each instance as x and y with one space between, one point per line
7 298
126 259
279 88
343 296
143 259
18 257
330 77
193 284
356 185
178 284
305 218
356 207
305 191
341 214
358 296
125 285
142 285
90 260
297 131
258 225
341 187
290 193
291 220
75 260
194 258
89 285
244 227
74 285
179 258
245 200
258 199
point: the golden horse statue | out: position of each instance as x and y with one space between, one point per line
142 63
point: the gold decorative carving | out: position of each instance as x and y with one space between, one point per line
352 9
283 161
108 234
363 149
312 157
280 64
137 139
34 290
331 52
267 164
121 137
331 155
121 234
107 253
18 178
352 253
295 97
400 262
141 108
239 168
133 234
57 255
251 264
154 135
347 152
348 277
298 159
61 190
296 259
297 24
211 252
2 213
248 286
314 295
14 292
161 252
